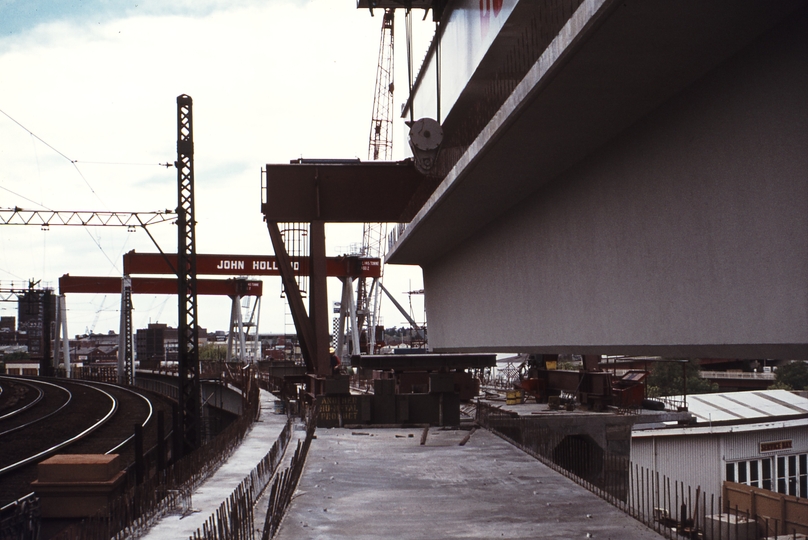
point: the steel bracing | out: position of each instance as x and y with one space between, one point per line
126 367
46 218
188 329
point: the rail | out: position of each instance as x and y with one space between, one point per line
55 448
37 399
20 520
131 514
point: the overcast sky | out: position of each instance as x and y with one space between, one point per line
88 98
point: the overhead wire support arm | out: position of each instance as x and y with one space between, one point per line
46 218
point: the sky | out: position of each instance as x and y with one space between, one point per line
88 112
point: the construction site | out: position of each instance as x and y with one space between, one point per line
594 193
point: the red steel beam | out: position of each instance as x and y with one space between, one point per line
248 265
148 285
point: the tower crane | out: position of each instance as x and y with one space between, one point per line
380 147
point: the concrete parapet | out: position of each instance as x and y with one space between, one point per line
78 485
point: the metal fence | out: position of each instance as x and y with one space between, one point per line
20 519
669 507
234 518
577 458
285 483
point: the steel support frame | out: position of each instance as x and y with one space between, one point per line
348 311
126 356
312 327
61 341
236 331
47 367
318 298
190 405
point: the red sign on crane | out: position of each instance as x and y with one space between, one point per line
247 265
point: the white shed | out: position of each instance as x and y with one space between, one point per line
758 438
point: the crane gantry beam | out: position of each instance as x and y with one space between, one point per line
46 218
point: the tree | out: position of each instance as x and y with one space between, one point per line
213 352
11 357
792 376
666 379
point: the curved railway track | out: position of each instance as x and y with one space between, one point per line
39 418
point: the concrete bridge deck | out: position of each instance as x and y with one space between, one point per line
382 483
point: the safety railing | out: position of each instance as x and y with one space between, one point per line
285 483
234 518
669 507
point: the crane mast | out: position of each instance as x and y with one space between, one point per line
380 147
381 132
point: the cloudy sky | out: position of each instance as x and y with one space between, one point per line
88 110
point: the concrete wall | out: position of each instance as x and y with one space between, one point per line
685 235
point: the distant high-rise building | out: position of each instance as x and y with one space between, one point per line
36 309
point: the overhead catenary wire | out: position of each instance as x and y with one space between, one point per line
27 199
37 137
43 141
74 163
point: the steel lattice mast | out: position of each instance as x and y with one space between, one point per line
381 128
190 405
380 147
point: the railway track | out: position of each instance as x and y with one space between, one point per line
40 418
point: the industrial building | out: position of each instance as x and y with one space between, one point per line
757 438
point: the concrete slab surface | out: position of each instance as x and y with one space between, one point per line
381 483
216 489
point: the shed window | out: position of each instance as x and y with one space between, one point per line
753 473
767 473
792 475
742 472
782 474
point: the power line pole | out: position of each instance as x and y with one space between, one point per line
190 404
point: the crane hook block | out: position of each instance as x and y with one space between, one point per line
426 136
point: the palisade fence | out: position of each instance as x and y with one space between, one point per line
283 488
667 506
168 491
234 518
20 520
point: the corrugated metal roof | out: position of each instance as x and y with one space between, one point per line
762 404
